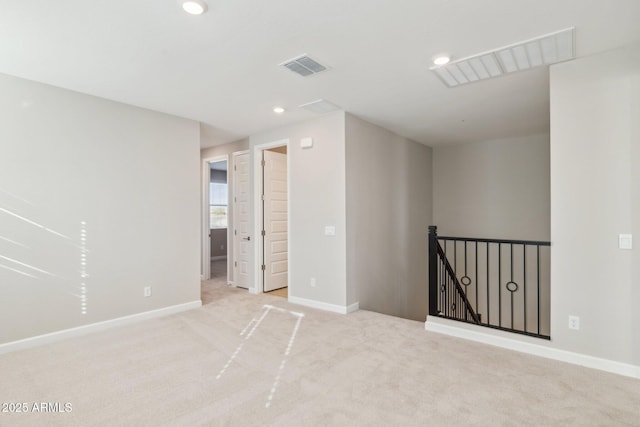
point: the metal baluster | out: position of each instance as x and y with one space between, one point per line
476 279
538 266
488 298
524 284
511 280
465 274
500 284
449 295
446 294
443 292
446 279
440 283
455 257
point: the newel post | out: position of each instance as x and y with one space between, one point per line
433 270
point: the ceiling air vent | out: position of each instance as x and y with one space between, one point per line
540 51
320 106
304 66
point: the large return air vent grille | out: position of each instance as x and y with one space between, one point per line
320 106
304 66
545 50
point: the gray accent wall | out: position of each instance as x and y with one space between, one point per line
595 196
218 242
389 205
82 200
493 189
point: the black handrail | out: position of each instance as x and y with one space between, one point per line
504 241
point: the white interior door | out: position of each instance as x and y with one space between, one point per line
241 235
275 217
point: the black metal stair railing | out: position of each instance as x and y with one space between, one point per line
496 283
454 301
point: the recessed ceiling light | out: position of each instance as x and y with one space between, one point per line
441 60
194 7
278 110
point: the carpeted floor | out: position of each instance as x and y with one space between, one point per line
254 360
210 288
219 269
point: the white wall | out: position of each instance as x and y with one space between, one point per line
595 195
317 199
71 162
389 183
634 134
493 189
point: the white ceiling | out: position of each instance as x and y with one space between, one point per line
221 68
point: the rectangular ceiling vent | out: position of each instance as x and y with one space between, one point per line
320 106
540 51
304 65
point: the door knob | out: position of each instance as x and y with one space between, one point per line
246 238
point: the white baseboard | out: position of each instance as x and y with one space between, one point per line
334 308
95 327
472 333
353 307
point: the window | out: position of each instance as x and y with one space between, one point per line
218 205
218 195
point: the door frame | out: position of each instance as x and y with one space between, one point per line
205 238
258 286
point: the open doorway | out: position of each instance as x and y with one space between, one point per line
215 241
272 218
218 219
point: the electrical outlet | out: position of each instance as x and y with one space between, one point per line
313 282
574 322
147 291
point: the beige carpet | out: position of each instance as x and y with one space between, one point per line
253 360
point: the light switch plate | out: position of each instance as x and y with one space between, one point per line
329 230
306 142
625 241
